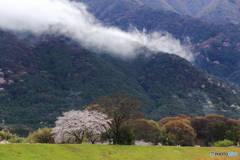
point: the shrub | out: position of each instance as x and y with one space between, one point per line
42 135
17 140
224 143
6 135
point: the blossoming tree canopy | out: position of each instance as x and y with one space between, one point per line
73 125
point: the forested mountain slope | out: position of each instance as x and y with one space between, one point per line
42 76
215 46
40 81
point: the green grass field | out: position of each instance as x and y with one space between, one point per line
109 152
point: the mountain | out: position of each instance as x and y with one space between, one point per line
43 76
40 81
219 11
215 46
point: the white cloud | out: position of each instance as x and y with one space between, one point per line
73 20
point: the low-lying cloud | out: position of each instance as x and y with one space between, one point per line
73 20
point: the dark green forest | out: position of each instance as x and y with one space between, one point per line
56 75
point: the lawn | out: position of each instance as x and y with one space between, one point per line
109 152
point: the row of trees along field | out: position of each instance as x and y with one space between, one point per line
116 117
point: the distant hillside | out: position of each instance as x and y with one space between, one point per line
41 77
219 11
212 10
40 81
215 46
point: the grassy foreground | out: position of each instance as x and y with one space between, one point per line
109 152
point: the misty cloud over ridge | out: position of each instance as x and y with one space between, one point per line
73 20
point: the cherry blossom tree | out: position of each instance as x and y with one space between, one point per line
73 125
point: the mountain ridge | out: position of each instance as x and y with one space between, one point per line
41 77
212 10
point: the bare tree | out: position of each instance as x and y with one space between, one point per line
121 108
73 125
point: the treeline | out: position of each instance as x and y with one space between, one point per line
203 131
180 130
126 125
